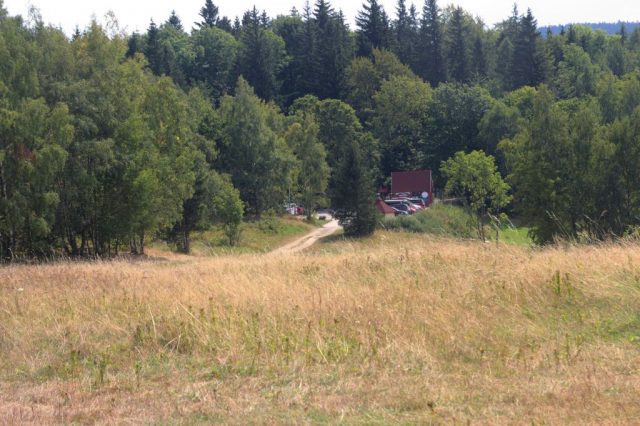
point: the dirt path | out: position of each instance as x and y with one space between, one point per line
309 239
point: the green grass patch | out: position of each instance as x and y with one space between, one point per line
515 235
258 236
438 219
454 221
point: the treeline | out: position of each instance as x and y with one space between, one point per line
608 27
106 140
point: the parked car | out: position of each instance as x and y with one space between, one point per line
417 201
399 212
409 207
402 207
291 208
418 207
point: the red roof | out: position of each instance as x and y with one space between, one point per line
415 182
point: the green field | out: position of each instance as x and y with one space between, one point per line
258 236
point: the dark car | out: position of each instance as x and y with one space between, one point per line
398 211
404 205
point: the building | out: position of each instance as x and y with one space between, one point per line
415 183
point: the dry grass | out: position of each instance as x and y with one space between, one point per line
397 329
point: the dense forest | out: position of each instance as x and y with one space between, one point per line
607 27
107 139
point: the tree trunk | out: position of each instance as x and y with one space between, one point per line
141 245
186 242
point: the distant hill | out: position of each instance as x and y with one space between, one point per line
608 27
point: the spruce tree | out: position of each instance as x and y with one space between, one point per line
225 24
261 57
623 34
134 45
431 60
457 55
209 15
175 22
354 197
307 78
403 33
152 49
373 28
479 59
332 53
505 47
529 63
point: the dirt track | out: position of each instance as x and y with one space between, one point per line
309 239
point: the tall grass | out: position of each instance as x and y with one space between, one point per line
397 328
439 219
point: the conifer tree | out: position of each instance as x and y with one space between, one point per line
373 28
134 45
262 56
430 57
225 24
505 47
152 49
623 34
175 22
209 15
529 63
355 195
332 52
457 54
479 59
405 34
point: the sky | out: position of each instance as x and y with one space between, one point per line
134 15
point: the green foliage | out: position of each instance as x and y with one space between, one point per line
257 158
365 76
107 141
313 170
398 123
558 167
373 28
355 193
228 209
338 128
454 114
439 219
476 179
261 57
430 46
576 76
215 52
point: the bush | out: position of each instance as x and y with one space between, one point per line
269 222
439 219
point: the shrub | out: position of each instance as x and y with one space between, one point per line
439 219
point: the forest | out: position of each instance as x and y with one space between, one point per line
108 139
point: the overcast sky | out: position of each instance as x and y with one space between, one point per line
135 14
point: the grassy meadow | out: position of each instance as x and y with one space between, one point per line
400 328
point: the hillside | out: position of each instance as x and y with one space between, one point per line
608 27
397 328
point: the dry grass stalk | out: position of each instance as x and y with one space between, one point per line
395 329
